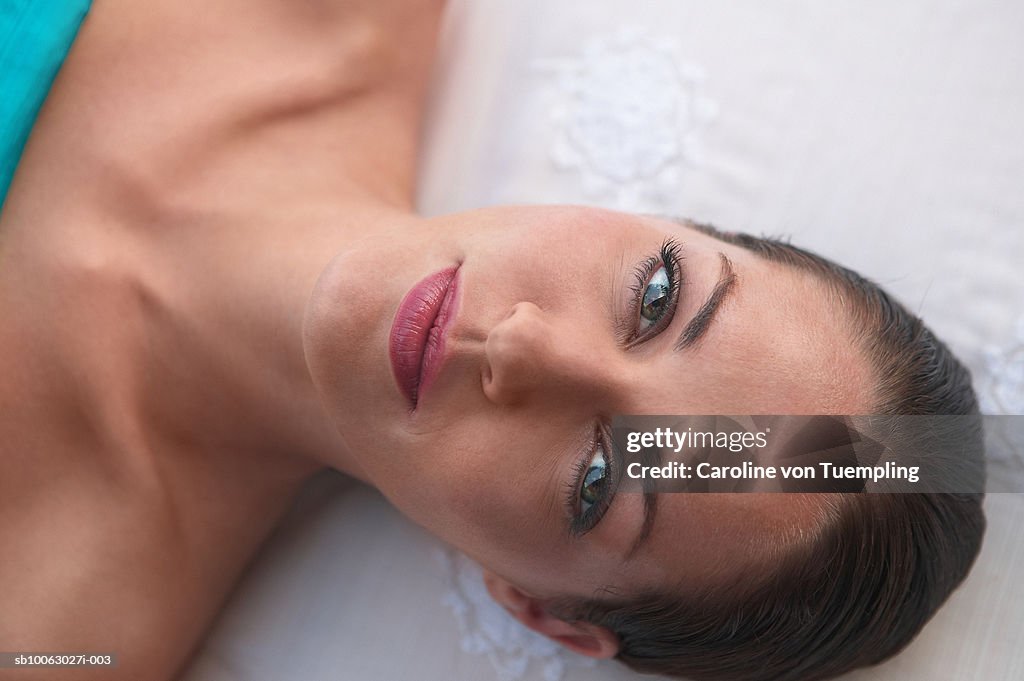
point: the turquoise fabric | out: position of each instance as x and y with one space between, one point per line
35 36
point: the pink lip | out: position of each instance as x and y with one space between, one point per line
419 330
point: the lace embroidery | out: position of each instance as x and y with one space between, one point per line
1003 391
486 629
628 118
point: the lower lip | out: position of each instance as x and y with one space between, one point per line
418 333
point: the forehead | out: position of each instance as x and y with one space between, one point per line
704 540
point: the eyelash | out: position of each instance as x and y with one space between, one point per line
670 256
581 524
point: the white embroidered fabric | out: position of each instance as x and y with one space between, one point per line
486 629
1002 383
628 117
1002 392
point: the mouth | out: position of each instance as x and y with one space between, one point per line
419 330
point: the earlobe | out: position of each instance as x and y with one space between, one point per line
584 638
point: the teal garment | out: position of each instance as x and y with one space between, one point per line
35 36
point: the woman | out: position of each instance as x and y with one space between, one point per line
214 284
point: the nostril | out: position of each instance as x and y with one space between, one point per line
511 353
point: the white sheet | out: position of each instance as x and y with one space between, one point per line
886 135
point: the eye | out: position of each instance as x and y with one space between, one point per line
590 491
656 299
655 294
595 482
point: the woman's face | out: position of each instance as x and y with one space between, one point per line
558 319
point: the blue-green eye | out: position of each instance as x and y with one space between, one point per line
591 489
656 299
595 482
655 294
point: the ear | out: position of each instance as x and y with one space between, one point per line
584 638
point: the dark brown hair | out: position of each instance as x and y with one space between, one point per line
881 565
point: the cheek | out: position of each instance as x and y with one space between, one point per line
484 497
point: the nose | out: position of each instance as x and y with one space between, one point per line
531 355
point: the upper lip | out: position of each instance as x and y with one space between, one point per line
419 330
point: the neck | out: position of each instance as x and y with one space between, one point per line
183 346
239 318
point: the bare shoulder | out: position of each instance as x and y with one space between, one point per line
162 105
88 573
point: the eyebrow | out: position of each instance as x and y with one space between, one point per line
650 511
650 508
701 321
